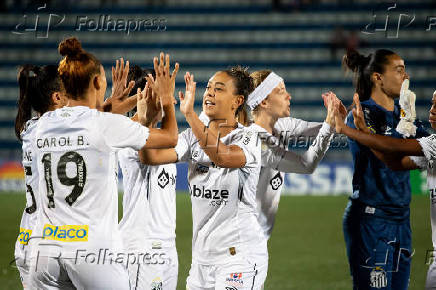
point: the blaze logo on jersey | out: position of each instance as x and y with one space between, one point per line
66 233
24 236
378 278
218 197
163 179
276 181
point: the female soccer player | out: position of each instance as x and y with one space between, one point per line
148 226
40 91
269 106
376 220
228 246
76 154
402 154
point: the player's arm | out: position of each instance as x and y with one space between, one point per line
395 162
309 160
226 156
157 156
383 144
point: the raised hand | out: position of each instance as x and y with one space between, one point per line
406 125
332 102
359 117
164 84
143 97
120 102
187 100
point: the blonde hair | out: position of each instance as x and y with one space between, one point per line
258 77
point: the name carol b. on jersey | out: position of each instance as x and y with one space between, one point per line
62 142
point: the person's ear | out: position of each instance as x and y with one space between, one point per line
58 99
239 101
377 78
96 82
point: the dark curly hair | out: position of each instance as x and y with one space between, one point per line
243 83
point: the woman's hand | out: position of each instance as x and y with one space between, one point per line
143 97
187 100
164 84
359 117
332 102
120 102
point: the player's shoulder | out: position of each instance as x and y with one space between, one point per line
287 124
29 127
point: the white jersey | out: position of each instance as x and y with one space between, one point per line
224 215
276 160
29 217
428 162
76 156
149 203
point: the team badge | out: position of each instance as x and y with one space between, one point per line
378 278
276 181
163 179
156 284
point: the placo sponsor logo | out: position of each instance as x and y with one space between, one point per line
66 233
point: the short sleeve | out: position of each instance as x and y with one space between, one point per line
297 127
251 145
183 144
420 161
120 132
428 145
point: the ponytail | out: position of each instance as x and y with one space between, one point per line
363 67
36 85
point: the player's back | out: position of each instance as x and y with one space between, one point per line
76 158
149 205
28 219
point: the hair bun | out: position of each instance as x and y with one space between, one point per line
355 61
70 47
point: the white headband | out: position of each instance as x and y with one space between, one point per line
263 90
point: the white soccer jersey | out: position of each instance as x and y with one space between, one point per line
149 202
28 219
276 160
224 215
428 145
76 156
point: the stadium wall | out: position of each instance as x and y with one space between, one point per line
330 178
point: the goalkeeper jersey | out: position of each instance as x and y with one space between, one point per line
385 192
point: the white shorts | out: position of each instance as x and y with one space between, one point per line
23 266
232 276
156 269
53 273
430 283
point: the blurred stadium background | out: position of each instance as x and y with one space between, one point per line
302 40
